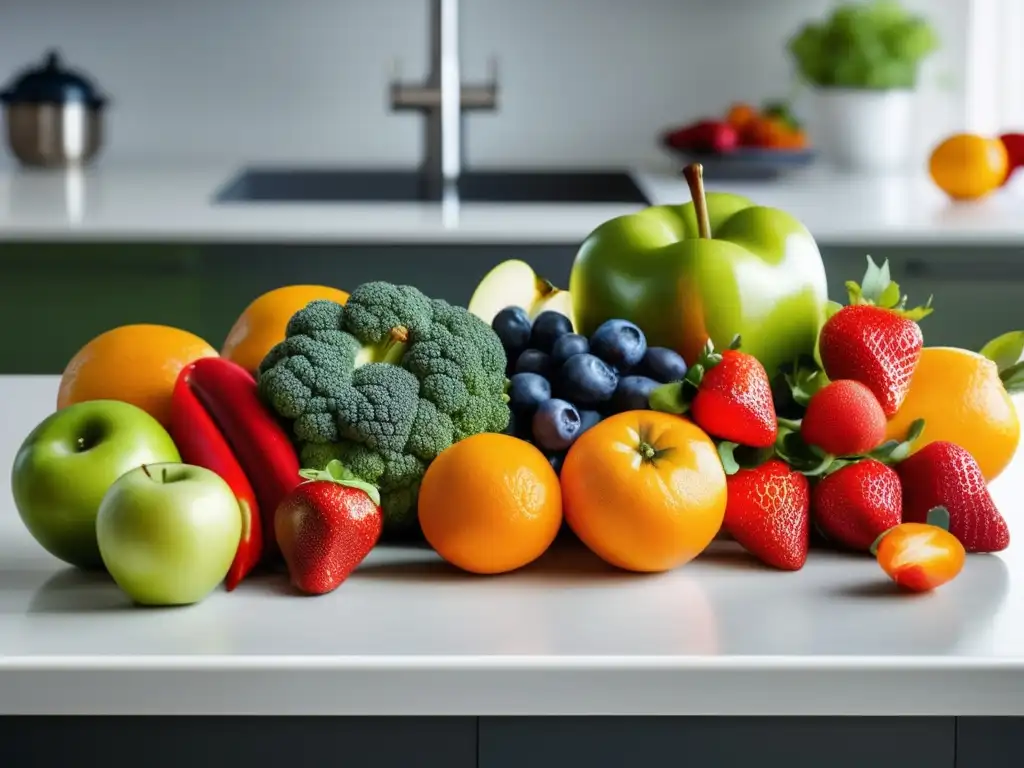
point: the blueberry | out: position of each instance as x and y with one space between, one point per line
566 346
555 459
619 343
555 425
533 361
526 391
663 364
633 393
588 419
548 326
512 325
586 379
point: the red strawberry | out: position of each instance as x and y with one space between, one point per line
875 346
734 401
875 340
767 513
945 475
844 418
326 527
857 503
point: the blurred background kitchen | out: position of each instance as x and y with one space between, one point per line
792 102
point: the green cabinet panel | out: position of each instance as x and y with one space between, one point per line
54 298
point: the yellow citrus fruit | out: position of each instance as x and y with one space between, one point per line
262 324
959 395
136 364
490 504
967 166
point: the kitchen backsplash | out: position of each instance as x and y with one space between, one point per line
582 81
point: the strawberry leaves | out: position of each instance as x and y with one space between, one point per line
812 461
878 289
736 457
336 472
1006 352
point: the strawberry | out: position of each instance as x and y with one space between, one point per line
734 400
857 503
844 418
326 527
875 340
945 475
767 513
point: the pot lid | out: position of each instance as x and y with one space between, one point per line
51 83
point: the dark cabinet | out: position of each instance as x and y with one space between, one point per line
183 742
989 742
697 742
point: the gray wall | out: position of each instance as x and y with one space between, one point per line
584 81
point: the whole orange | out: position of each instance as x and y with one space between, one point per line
136 364
962 400
490 504
644 490
261 325
967 166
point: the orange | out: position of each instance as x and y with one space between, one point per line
644 490
261 325
490 504
967 166
136 364
740 115
959 395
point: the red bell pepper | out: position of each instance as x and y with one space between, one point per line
201 443
229 395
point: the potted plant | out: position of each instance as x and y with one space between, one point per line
863 62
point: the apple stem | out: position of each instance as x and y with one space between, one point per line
163 475
694 175
146 470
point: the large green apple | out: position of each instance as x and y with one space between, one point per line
169 532
67 463
712 268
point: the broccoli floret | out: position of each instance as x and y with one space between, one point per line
384 384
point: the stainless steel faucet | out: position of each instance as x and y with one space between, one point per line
443 100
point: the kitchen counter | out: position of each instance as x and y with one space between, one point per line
406 634
164 204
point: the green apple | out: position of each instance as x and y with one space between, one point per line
68 462
717 267
514 283
169 532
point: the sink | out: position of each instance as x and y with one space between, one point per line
490 186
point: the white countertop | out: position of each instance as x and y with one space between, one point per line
408 635
176 204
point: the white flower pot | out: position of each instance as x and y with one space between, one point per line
864 130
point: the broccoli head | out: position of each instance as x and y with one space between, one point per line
384 384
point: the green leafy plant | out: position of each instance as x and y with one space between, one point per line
873 45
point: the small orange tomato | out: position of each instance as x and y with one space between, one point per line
921 556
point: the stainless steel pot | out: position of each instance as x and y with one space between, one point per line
54 116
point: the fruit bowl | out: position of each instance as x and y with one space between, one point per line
746 163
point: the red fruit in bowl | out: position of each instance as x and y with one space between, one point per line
844 418
704 136
1014 143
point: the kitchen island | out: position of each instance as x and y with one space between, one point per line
177 204
408 635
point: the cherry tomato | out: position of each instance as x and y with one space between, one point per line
920 557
